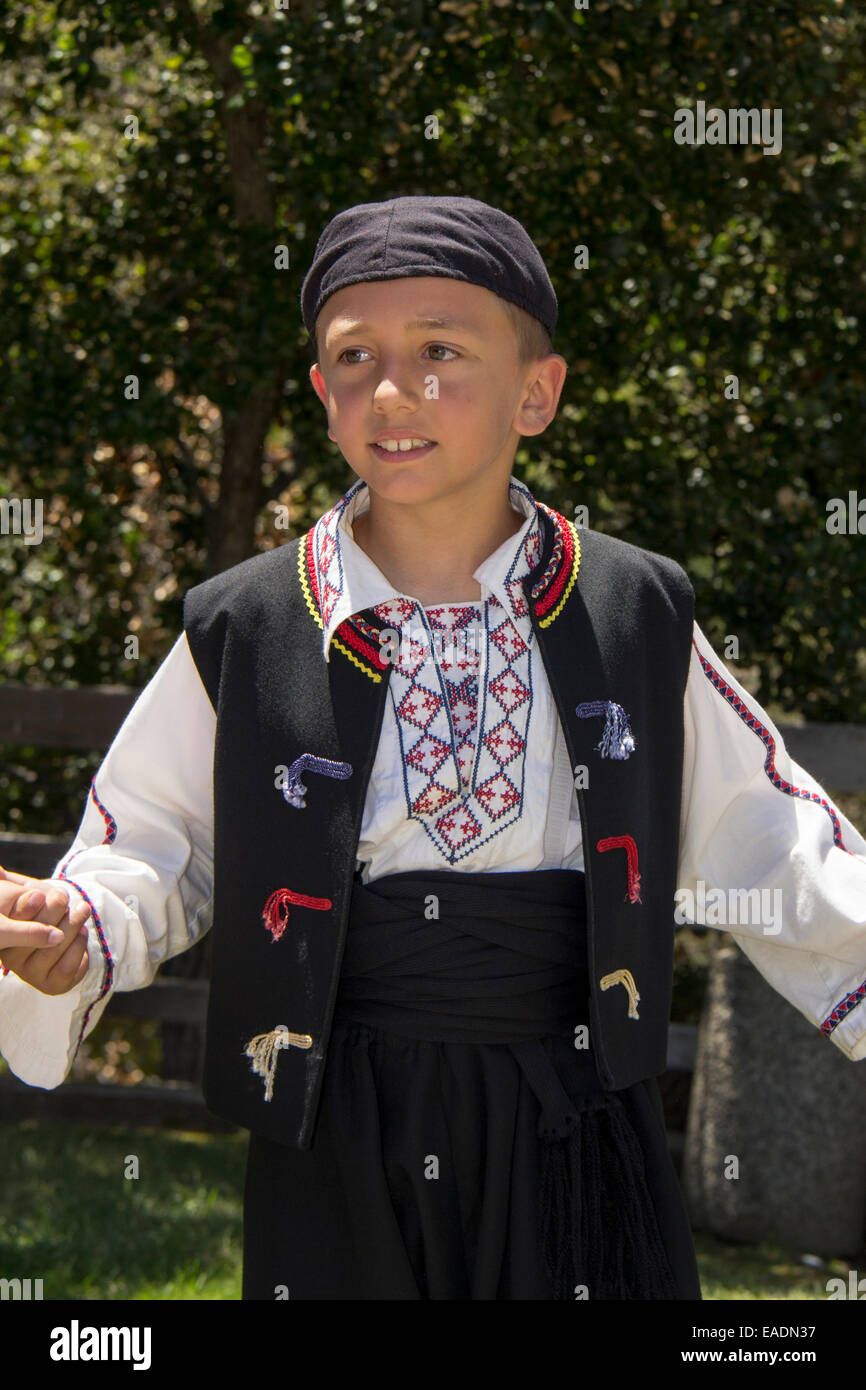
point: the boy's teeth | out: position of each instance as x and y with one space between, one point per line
392 445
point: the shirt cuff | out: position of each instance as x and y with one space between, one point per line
40 1033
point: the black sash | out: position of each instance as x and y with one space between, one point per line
463 957
501 958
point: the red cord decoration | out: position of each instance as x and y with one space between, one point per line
627 843
276 910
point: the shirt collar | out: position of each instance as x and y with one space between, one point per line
348 581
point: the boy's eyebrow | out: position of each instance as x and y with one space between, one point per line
428 321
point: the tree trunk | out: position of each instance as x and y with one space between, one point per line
241 496
231 524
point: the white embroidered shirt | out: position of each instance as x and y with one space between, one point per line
471 772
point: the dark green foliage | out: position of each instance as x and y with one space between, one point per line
155 257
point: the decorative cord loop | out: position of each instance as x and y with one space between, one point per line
623 977
276 909
295 791
627 843
617 740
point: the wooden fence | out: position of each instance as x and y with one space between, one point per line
88 718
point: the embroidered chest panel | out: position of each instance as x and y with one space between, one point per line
461 690
461 693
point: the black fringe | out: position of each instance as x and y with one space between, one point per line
598 1222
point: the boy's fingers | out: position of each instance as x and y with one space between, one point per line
72 982
16 936
69 963
72 956
49 900
57 971
82 971
15 878
49 905
28 906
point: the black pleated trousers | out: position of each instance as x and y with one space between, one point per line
452 1077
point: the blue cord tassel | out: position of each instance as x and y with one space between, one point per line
617 740
294 791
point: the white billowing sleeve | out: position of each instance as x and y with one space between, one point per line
142 859
765 855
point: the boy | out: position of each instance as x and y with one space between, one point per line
433 773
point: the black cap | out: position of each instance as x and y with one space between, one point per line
457 238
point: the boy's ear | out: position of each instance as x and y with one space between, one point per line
318 383
541 406
321 390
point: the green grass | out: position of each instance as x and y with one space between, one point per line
70 1217
760 1272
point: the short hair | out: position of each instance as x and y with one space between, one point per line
533 339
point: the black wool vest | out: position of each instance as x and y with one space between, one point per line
614 627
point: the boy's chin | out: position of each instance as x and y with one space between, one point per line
394 480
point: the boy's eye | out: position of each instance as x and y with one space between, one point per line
444 347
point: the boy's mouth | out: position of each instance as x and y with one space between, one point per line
404 448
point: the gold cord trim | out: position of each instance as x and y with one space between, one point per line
623 977
263 1049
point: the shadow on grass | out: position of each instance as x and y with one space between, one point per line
70 1216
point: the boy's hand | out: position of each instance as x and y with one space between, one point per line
29 909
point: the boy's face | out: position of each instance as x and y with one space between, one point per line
458 384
